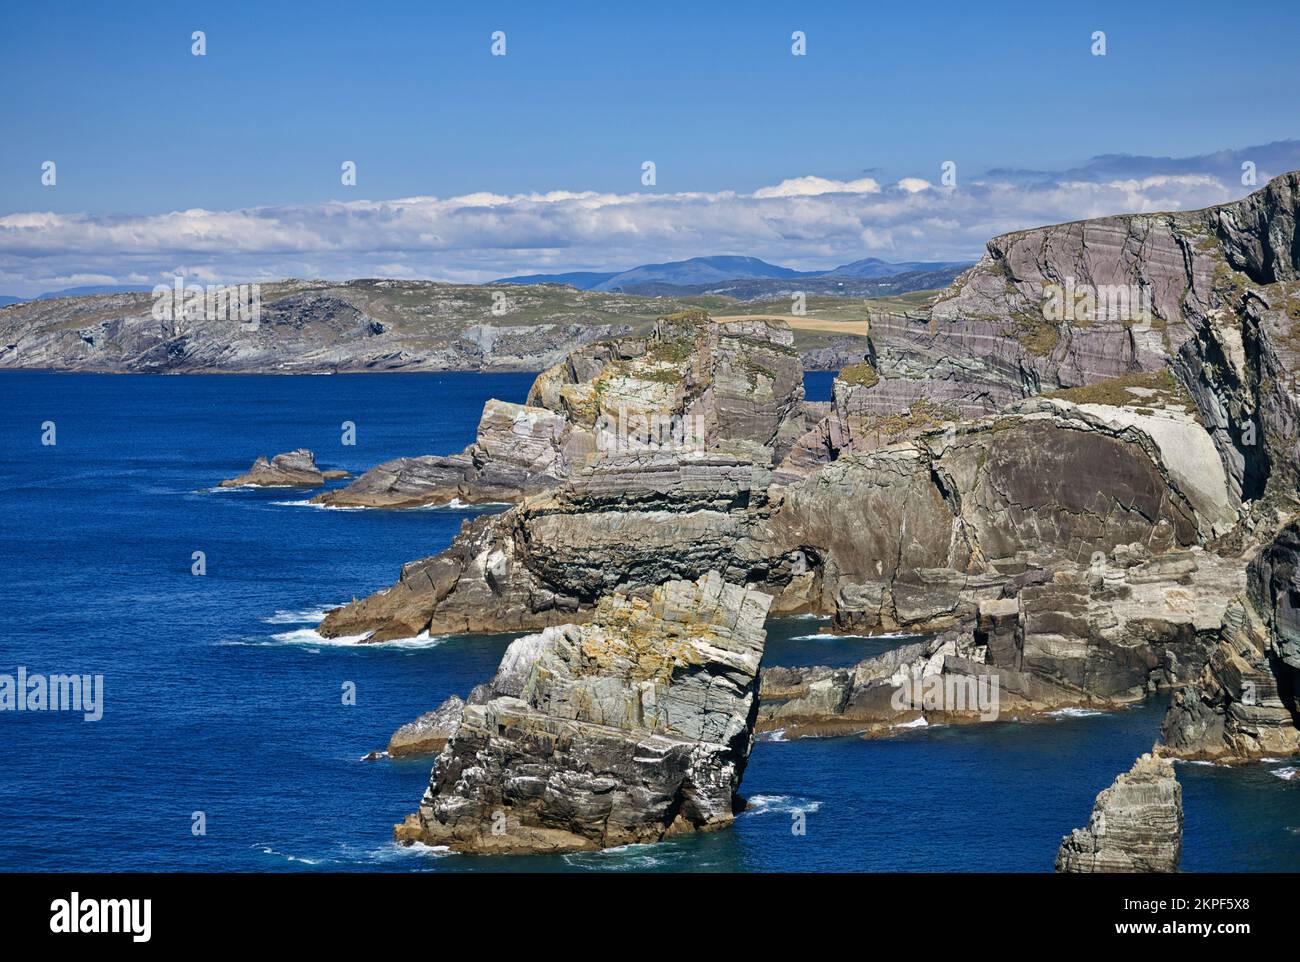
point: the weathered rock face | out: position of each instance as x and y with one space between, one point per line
428 734
1243 704
628 729
1136 825
726 381
293 469
519 450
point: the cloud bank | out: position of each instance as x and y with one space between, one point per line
804 222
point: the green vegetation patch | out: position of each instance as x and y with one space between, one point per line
861 374
1035 333
923 415
1154 389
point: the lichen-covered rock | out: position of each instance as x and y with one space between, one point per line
428 734
628 729
293 469
1136 824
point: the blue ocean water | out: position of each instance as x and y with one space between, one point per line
817 385
220 698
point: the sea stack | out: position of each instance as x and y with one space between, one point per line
1136 824
625 730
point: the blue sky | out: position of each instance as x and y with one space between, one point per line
710 92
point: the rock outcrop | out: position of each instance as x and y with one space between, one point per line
428 734
1243 704
691 385
293 469
625 730
1136 824
519 450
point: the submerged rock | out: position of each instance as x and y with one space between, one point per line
1136 824
293 469
626 730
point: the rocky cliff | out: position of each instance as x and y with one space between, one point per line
1078 493
628 729
1136 824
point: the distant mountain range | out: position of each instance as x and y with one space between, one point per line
745 278
76 292
748 277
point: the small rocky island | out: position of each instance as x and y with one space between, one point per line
628 729
293 469
1136 825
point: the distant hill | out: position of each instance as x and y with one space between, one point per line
762 288
875 267
750 277
582 280
77 292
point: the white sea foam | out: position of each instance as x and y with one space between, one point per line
773 736
619 858
304 616
1287 772
310 636
787 804
827 636
392 851
1074 713
268 850
914 723
456 504
306 503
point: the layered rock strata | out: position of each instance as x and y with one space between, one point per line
519 450
1243 704
1136 824
629 729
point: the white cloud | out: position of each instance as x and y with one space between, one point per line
805 222
815 186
